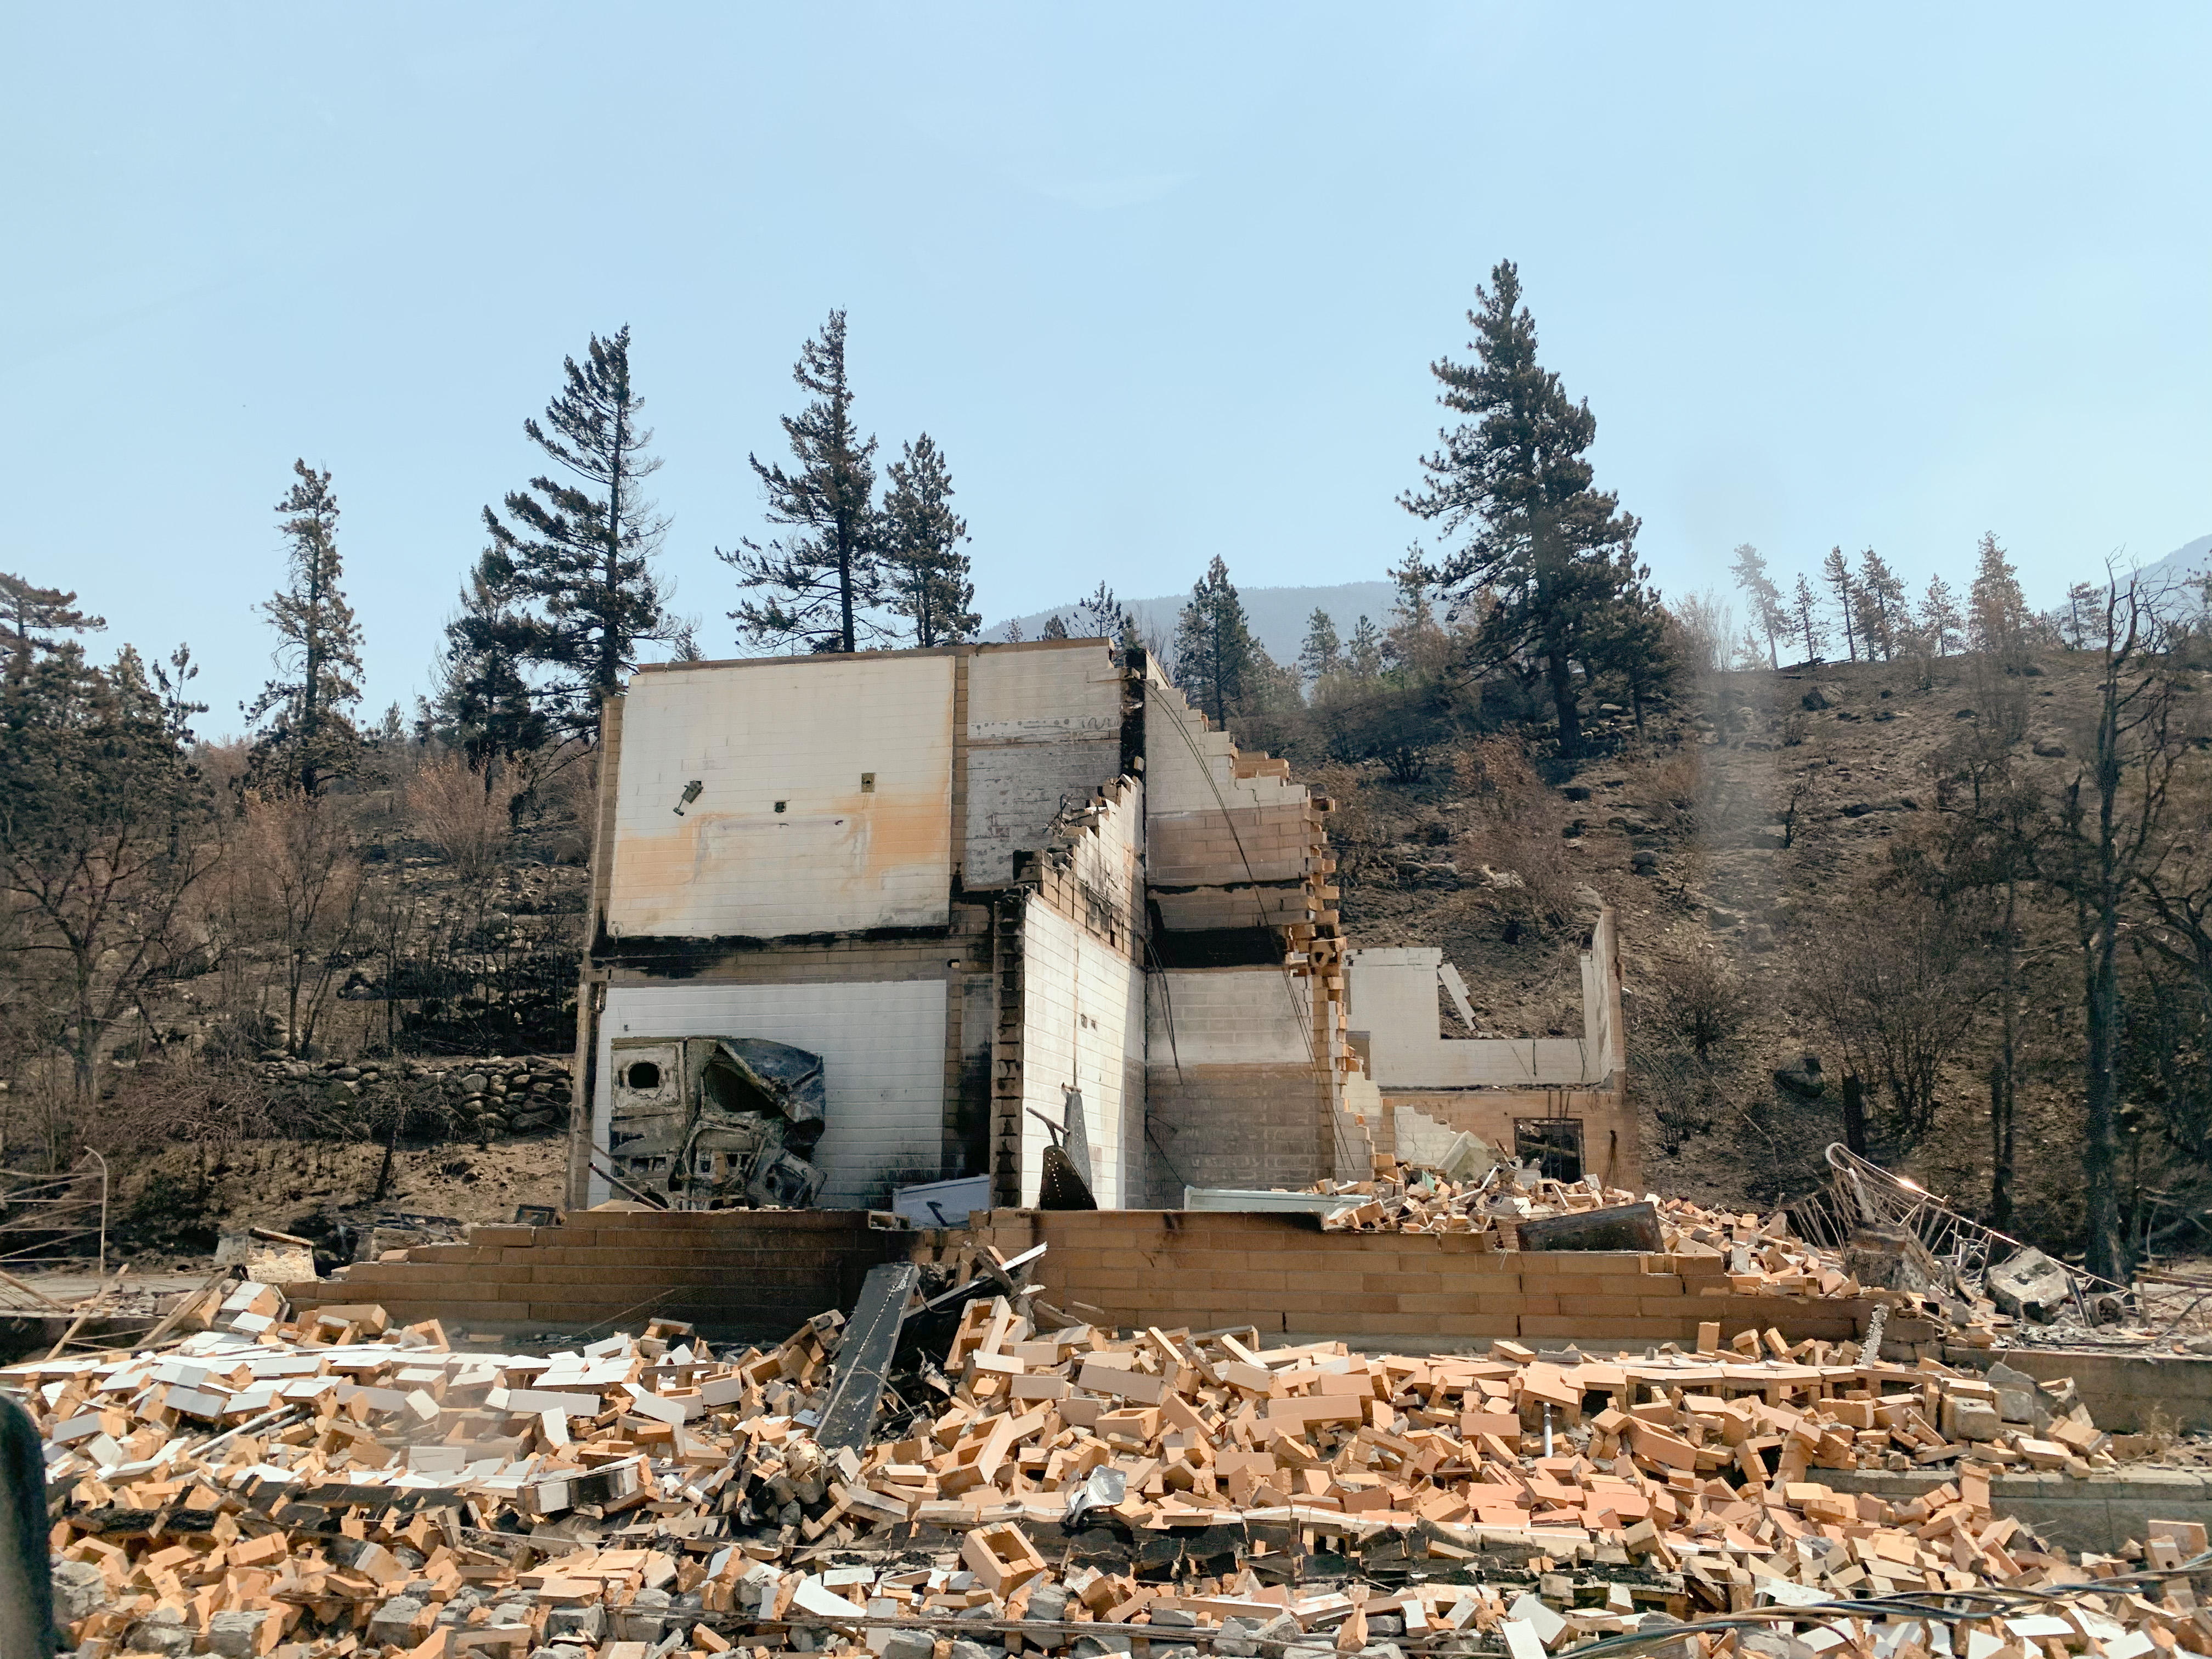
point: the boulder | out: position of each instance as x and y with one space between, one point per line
2031 1286
2051 748
1802 1076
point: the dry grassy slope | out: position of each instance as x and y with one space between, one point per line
306 1188
1703 789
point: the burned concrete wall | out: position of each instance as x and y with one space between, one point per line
1044 732
1553 1097
951 872
883 1051
838 775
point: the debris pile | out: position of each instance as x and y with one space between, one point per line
1521 1208
323 1485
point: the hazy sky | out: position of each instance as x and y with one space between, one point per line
1163 282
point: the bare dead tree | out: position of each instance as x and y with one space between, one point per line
2111 820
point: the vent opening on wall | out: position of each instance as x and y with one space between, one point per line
780 805
867 783
642 1074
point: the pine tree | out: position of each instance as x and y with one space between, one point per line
1939 622
1213 645
924 568
1102 616
313 738
1518 476
1413 646
485 697
1997 609
821 578
1055 627
1885 610
576 559
30 618
1363 652
1322 654
2078 622
1805 617
1761 599
1835 571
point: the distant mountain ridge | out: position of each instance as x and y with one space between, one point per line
2189 559
1277 615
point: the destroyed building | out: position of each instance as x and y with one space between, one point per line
1017 914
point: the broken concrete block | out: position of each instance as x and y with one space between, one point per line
233 1634
79 1589
2031 1286
1971 1419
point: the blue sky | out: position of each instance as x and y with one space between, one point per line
1163 282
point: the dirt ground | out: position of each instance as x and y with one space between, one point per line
311 1190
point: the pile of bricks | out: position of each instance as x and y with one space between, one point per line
328 1485
1758 1257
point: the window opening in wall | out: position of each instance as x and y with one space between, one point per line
867 783
1553 1144
780 806
643 1074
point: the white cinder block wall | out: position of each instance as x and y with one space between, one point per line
1044 731
1230 1016
1083 1022
882 1066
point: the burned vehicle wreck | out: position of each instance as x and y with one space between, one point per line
718 1123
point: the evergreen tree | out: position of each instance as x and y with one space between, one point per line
485 699
1835 571
1805 617
2077 624
1762 600
1754 650
923 566
1997 609
821 578
1885 611
1414 645
1941 625
1102 616
30 618
313 738
1213 645
1323 654
1363 652
1055 627
1542 537
573 560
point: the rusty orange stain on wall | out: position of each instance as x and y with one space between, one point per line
837 866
